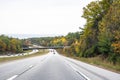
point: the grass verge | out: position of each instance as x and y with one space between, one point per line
6 59
96 61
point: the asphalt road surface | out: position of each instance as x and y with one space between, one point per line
53 67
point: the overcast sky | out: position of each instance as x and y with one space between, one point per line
44 17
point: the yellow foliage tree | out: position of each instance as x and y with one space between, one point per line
2 45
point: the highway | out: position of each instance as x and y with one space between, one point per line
20 54
53 67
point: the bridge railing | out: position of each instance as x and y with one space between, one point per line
53 47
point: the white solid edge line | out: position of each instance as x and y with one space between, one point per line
79 72
13 77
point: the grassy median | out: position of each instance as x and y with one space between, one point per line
6 59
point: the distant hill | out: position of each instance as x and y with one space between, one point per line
24 36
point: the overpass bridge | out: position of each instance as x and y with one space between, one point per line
52 47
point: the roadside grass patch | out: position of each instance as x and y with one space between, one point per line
96 61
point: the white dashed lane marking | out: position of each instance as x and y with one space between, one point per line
15 76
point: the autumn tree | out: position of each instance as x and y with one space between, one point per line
2 46
10 44
109 36
93 13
